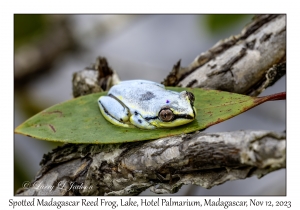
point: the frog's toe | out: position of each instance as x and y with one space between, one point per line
140 122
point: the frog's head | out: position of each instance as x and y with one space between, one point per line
177 111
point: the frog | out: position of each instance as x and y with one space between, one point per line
146 105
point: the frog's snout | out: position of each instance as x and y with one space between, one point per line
188 96
191 97
194 112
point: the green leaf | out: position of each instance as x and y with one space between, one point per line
80 121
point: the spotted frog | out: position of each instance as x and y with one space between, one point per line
147 105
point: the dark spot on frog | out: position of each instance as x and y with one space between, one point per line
121 119
135 113
147 96
140 121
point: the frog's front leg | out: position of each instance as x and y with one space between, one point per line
137 120
114 111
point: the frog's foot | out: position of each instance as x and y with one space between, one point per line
117 114
140 122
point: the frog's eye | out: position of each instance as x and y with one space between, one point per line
191 97
166 115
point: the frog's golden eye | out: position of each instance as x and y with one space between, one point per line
166 115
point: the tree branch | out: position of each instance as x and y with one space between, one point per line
247 63
241 63
164 164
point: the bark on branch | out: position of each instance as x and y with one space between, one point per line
164 164
241 63
247 63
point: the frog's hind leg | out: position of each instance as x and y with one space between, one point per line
113 111
140 122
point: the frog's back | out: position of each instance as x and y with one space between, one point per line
142 95
135 86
